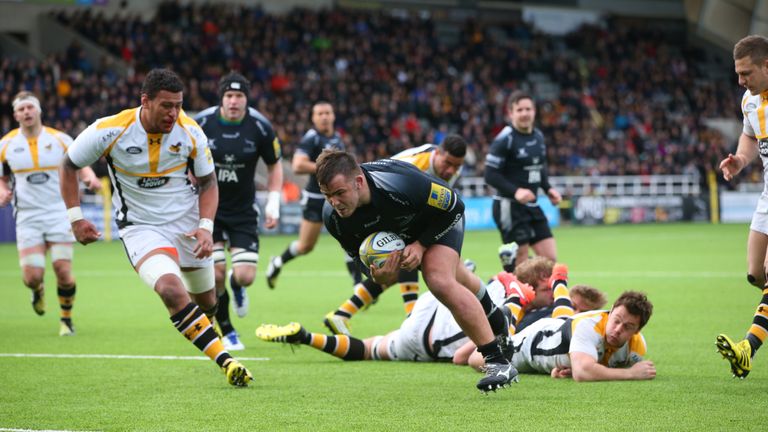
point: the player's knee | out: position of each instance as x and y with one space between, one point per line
438 283
63 271
171 290
305 248
244 274
32 280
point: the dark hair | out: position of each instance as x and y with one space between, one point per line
331 163
636 304
517 96
754 46
158 80
233 81
455 145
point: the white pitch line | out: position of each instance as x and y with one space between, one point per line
119 357
36 430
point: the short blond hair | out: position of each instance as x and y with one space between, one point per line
593 298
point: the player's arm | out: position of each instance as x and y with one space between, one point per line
746 152
84 231
274 188
271 152
208 201
440 205
584 367
5 190
494 163
87 148
6 193
301 164
552 193
462 355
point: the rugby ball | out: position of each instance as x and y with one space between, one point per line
375 249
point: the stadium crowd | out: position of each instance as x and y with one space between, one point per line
628 100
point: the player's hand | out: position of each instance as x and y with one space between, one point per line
731 165
5 197
85 232
270 222
524 196
560 372
388 273
554 196
643 370
204 246
412 255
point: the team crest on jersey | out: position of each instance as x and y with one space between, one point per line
133 150
176 148
38 178
521 153
439 197
48 147
152 182
763 147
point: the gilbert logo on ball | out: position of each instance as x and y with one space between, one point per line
375 249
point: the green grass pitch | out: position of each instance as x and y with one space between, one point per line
694 274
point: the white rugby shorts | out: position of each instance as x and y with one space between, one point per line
39 231
139 240
760 216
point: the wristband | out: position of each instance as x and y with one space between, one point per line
272 208
206 224
75 214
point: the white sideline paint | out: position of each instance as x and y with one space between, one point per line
119 357
36 430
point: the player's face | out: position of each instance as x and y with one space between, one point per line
27 114
233 105
343 194
544 296
621 326
323 118
159 114
752 76
447 165
522 114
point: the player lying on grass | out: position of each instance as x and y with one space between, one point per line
430 322
590 346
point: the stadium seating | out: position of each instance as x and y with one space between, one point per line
622 99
